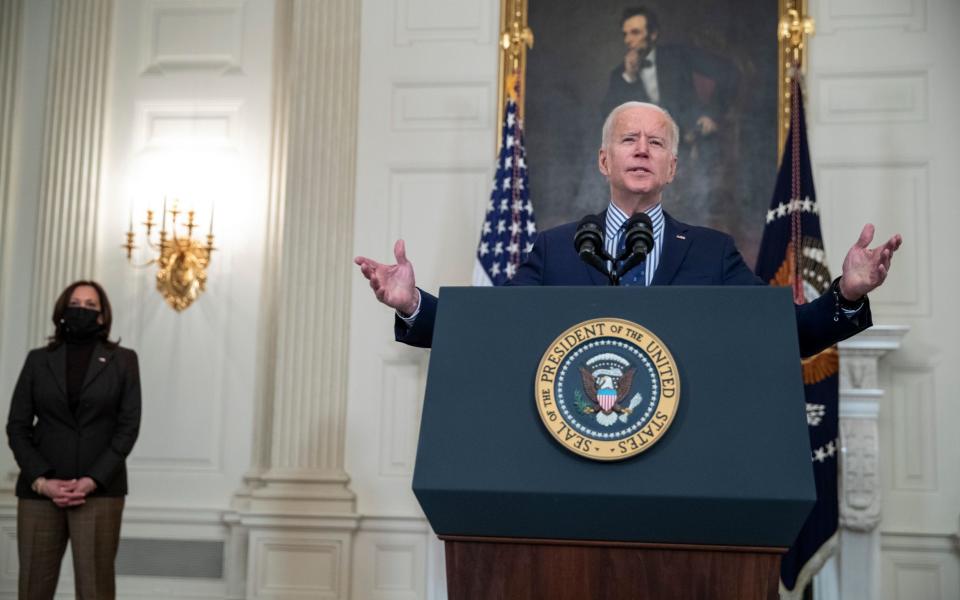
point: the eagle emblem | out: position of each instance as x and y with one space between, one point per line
607 379
599 390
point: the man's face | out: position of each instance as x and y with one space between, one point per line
635 35
638 160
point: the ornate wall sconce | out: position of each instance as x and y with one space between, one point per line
182 260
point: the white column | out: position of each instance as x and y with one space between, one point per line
297 505
855 572
72 153
11 16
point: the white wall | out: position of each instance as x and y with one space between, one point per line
884 86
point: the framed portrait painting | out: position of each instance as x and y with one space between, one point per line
713 64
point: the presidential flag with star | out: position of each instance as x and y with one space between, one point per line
792 254
509 227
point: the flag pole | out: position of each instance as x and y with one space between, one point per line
792 31
515 38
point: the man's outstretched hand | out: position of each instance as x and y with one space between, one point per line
394 285
864 269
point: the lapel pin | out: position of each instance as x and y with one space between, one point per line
101 359
681 237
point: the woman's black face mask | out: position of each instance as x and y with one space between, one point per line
79 323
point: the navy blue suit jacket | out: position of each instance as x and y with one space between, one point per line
690 256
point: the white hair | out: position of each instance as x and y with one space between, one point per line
608 124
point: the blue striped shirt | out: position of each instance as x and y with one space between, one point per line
614 231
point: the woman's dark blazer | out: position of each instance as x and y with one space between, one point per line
48 440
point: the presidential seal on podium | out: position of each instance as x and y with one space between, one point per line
607 389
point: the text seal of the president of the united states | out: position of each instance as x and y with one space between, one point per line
607 389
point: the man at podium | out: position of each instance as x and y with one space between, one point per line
638 157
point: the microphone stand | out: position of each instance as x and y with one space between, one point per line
614 275
588 242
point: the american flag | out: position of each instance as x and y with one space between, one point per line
792 254
509 227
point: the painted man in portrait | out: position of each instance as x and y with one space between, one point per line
697 87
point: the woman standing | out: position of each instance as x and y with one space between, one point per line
74 417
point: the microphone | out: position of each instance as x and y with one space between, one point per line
638 233
588 242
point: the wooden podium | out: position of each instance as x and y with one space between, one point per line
704 513
501 569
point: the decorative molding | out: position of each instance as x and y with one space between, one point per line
419 21
300 492
164 588
403 385
881 97
860 354
9 567
313 566
292 565
236 558
424 106
395 569
894 195
418 197
859 372
436 568
71 175
912 541
264 521
859 482
187 436
391 558
171 125
206 464
914 430
915 577
908 15
878 341
143 588
193 518
860 394
859 489
393 524
182 35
